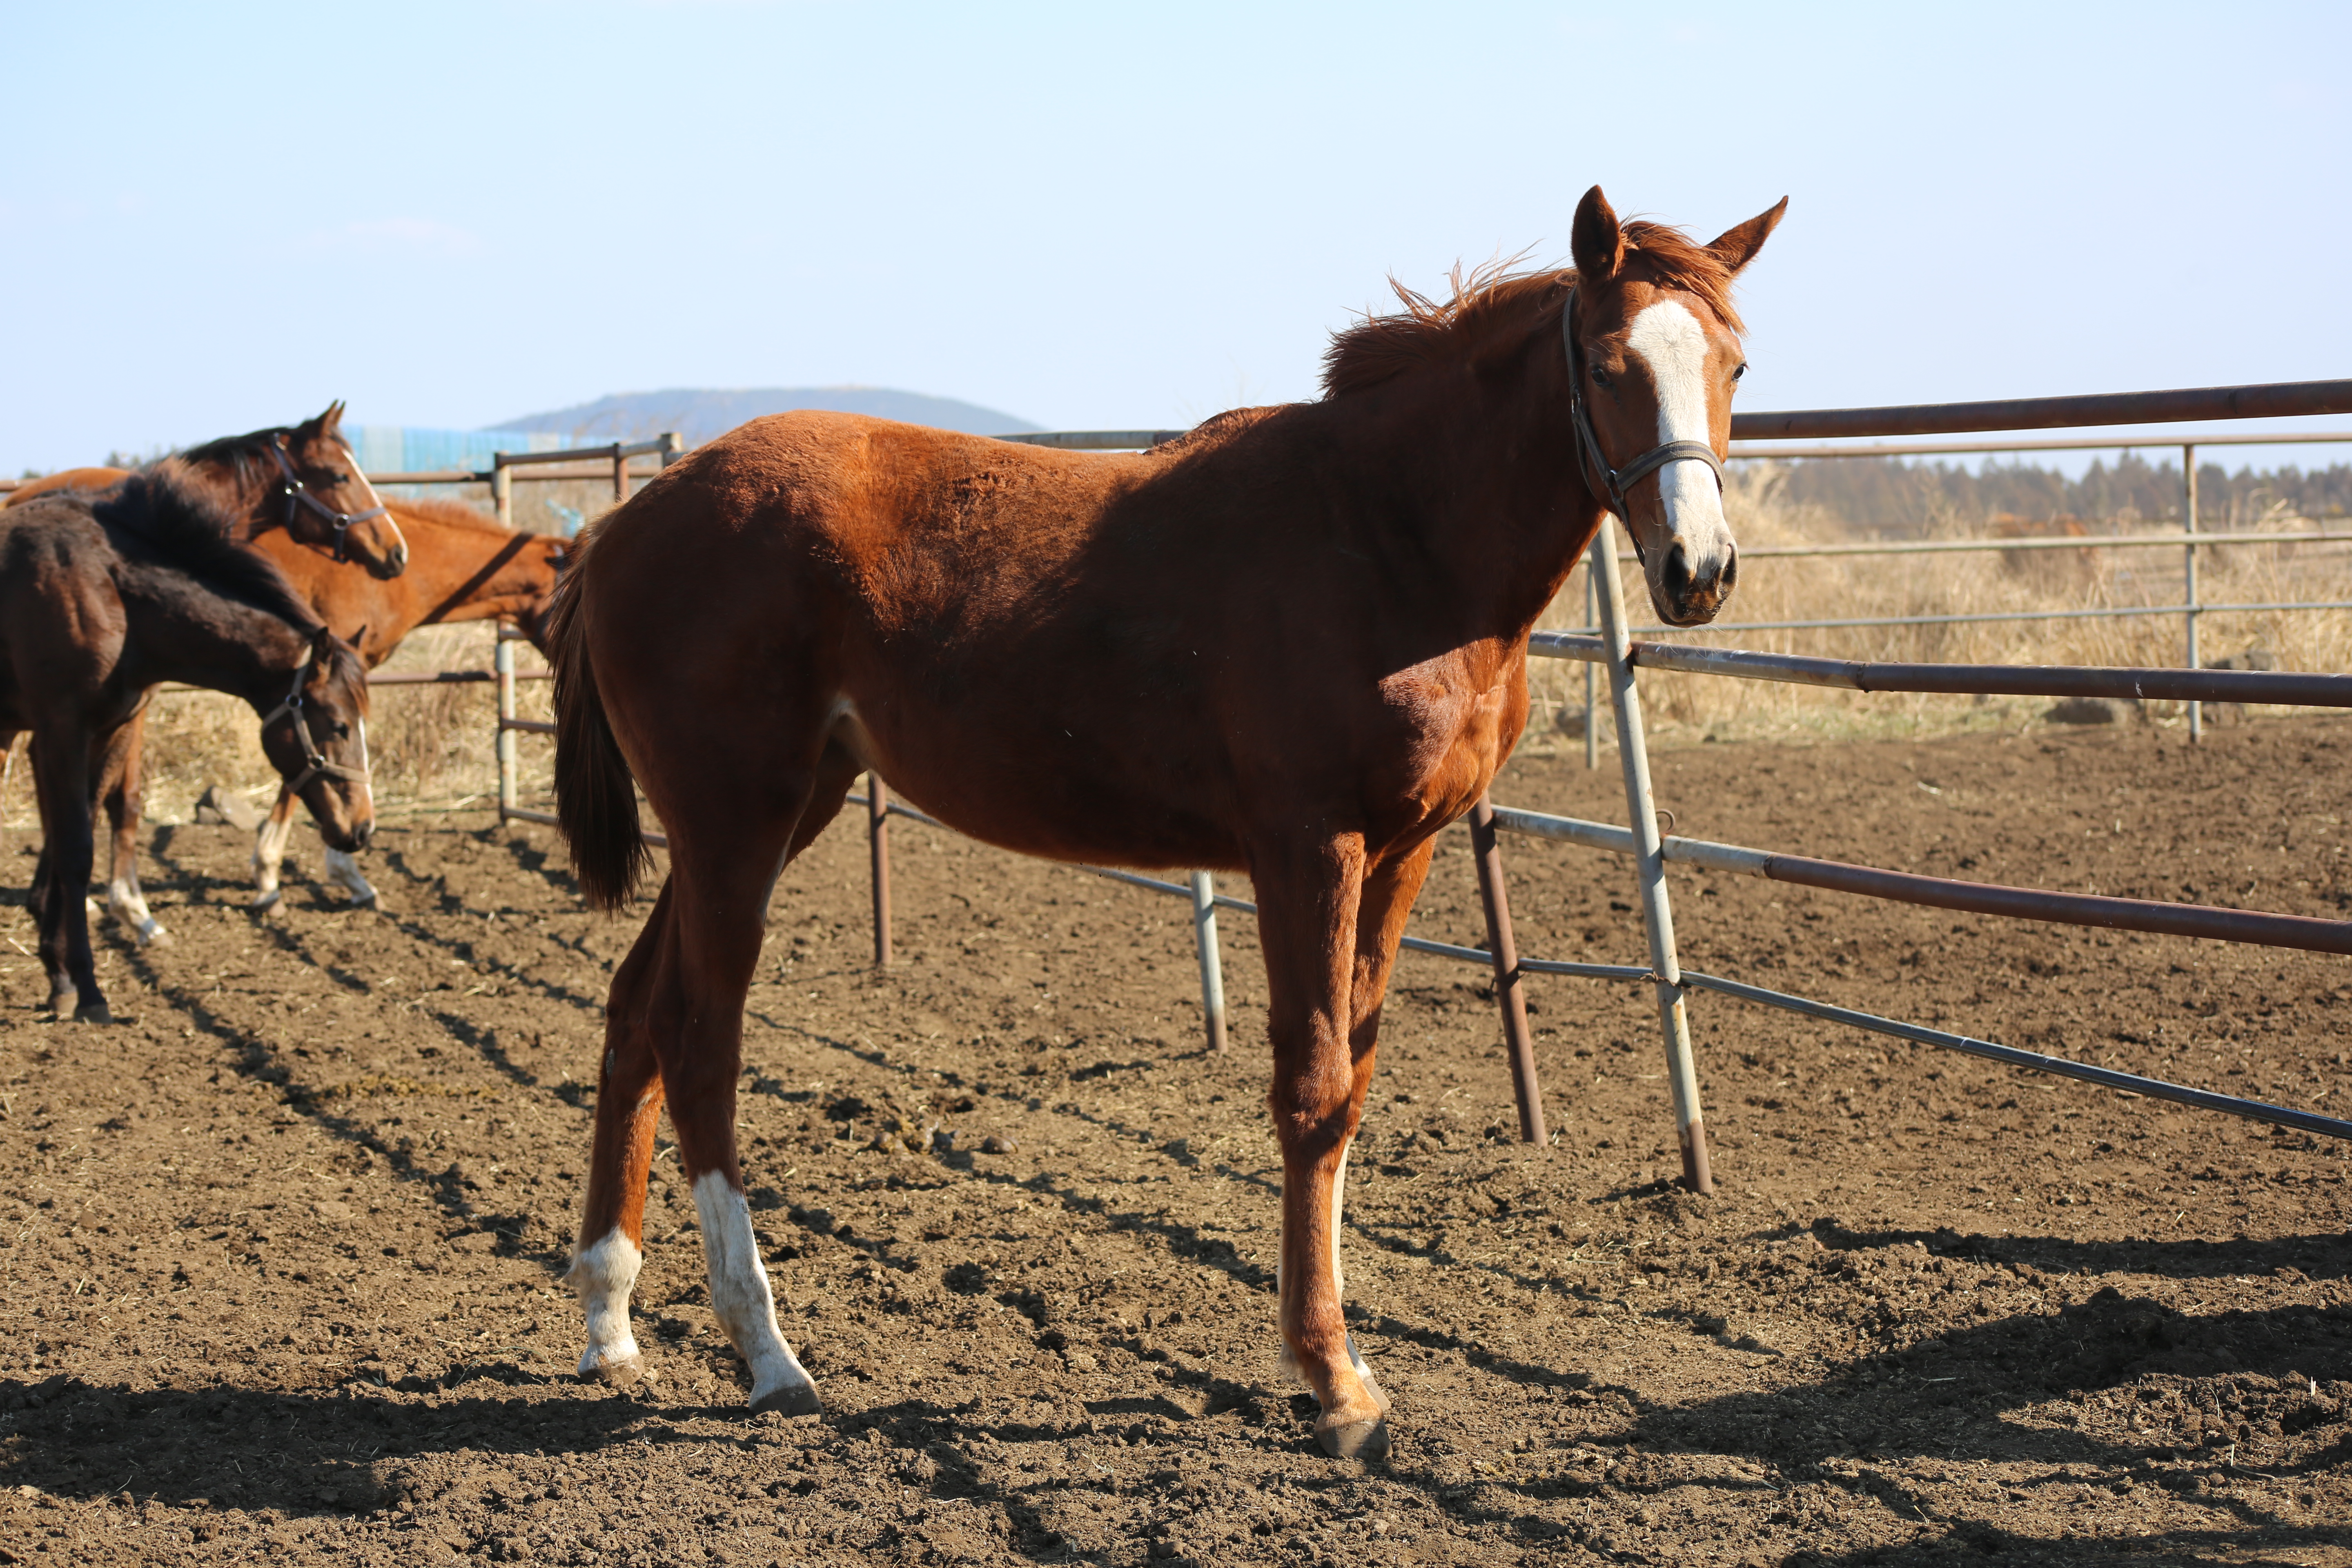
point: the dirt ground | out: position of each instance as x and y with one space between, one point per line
278 1254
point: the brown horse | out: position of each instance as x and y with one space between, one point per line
1293 643
461 567
104 596
304 478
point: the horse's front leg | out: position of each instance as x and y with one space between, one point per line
269 853
123 792
344 868
1308 900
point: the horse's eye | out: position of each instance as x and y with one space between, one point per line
1599 376
334 477
1740 372
342 730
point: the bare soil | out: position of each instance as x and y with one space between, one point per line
278 1254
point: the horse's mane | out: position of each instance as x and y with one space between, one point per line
157 517
1493 310
241 454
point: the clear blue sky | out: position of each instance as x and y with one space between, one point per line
219 216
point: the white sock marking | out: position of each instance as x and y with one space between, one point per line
268 852
740 1297
604 1275
129 906
345 869
1666 338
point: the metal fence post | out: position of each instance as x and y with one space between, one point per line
502 660
620 475
1212 969
502 489
1592 675
877 841
2189 525
1657 913
1510 994
673 447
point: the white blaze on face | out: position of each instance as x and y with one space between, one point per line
1669 342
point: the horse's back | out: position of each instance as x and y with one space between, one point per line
65 480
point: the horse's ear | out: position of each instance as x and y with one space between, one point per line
1737 246
333 419
322 644
1595 240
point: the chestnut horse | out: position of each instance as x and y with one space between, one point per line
1292 643
462 567
102 596
304 478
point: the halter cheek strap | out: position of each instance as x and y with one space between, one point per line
1611 484
315 762
298 495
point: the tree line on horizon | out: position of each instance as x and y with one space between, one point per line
1895 496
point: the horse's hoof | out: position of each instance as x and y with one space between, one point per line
1355 1439
153 935
269 907
620 1372
793 1399
93 1013
63 1001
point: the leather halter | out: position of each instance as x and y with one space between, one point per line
298 495
1612 483
315 762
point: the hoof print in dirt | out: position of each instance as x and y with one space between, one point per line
1356 1440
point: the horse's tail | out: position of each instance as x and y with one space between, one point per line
595 797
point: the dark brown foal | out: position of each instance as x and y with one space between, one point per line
1293 643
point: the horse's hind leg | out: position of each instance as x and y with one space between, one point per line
628 1107
122 791
722 884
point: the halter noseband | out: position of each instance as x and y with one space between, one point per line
1607 483
298 495
315 762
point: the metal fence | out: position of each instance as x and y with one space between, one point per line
1608 648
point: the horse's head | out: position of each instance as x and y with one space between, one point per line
329 503
1653 346
317 740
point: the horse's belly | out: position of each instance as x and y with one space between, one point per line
1108 799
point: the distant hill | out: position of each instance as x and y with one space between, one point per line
699 413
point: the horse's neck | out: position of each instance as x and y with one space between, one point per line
241 499
183 631
1485 469
471 573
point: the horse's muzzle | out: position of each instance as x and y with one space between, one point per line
1690 593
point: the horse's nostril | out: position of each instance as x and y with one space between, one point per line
1675 570
1730 577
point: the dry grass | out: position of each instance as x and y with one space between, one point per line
1683 708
